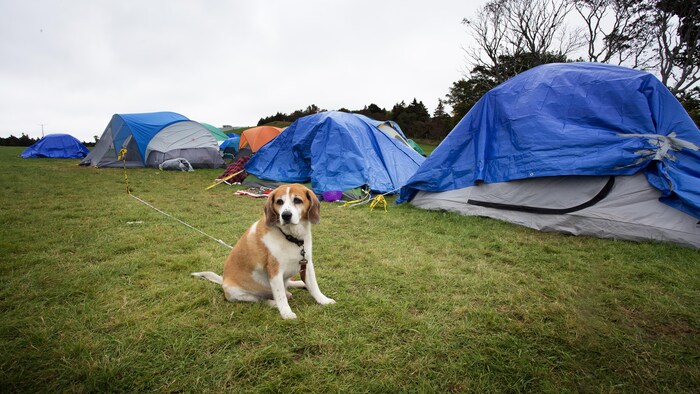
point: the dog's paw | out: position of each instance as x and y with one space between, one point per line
326 301
289 315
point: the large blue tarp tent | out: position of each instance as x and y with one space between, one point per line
57 146
573 119
337 151
151 138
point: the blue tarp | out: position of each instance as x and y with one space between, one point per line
571 119
57 146
231 142
336 151
142 126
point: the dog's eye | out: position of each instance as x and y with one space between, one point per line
279 201
297 200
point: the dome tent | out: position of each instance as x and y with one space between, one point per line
56 146
152 138
256 137
336 151
230 145
581 148
393 130
218 134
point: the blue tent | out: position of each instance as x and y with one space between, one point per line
336 151
143 127
571 119
151 138
231 144
58 146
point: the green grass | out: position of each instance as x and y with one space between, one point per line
97 296
278 123
428 146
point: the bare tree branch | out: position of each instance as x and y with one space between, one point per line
678 53
510 28
617 31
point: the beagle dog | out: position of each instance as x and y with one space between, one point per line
273 250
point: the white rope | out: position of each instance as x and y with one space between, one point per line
173 217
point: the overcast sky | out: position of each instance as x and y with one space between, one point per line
71 64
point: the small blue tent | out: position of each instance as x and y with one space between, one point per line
336 151
230 144
57 146
151 138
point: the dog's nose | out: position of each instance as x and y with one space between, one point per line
286 216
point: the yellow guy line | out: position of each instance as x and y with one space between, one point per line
222 180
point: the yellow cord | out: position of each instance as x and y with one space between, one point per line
222 180
379 200
122 156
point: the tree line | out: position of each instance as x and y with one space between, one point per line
23 140
413 118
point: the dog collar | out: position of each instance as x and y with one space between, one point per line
302 263
294 240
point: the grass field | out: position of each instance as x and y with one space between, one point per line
97 296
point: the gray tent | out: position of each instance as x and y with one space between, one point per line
623 207
152 138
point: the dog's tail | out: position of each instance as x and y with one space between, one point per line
209 275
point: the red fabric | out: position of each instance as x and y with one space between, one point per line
236 166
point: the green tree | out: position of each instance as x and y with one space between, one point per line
397 110
374 111
691 103
418 110
439 112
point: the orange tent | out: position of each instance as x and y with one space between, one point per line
256 137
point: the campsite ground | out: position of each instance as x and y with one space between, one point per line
96 296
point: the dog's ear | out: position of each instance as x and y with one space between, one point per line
270 213
314 207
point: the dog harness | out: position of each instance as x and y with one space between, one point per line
302 263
